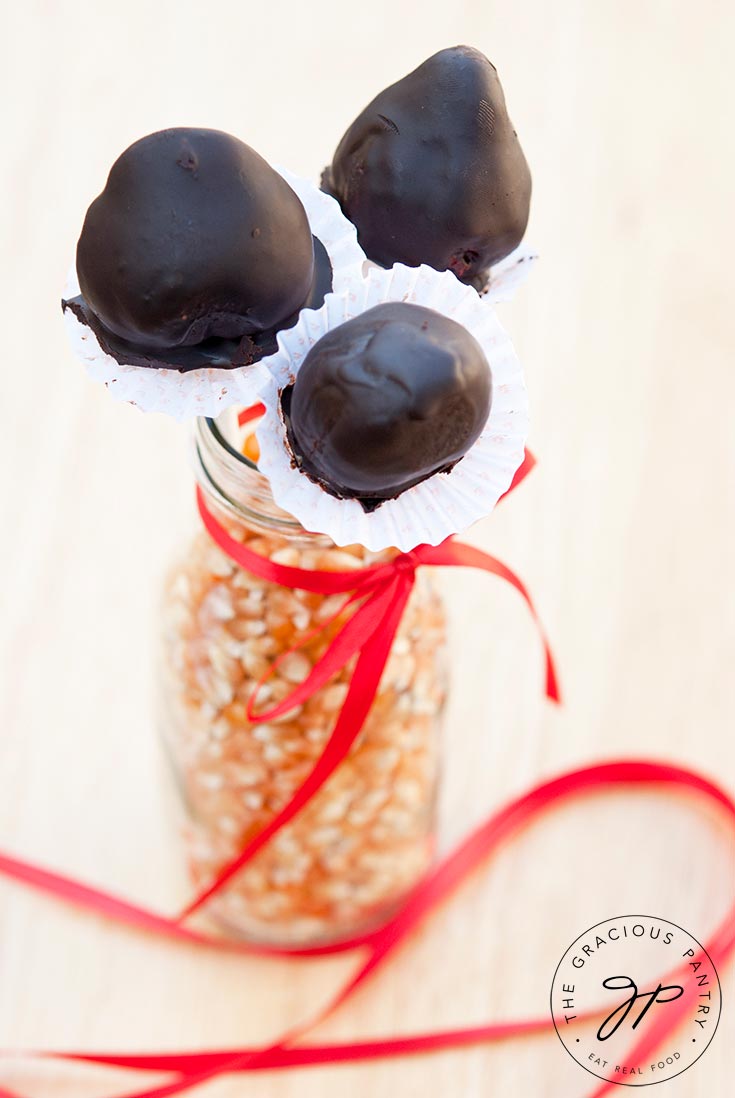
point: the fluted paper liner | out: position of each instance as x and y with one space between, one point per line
505 277
206 392
444 503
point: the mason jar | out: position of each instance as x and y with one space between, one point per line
345 861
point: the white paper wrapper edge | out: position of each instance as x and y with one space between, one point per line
445 503
506 276
207 392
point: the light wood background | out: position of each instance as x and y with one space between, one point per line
625 532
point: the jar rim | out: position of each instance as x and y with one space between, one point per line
235 482
211 423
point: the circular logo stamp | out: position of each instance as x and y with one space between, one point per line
623 982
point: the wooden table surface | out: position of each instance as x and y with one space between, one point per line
624 533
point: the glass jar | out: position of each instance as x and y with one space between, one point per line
345 861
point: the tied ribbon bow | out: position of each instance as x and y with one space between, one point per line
380 594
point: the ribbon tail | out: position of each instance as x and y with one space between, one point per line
349 640
436 887
179 1086
386 608
459 554
363 687
94 899
378 1048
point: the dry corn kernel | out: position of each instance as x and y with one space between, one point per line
250 449
362 841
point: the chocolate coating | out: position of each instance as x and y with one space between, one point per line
386 400
195 250
432 170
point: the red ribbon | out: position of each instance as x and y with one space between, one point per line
379 595
193 1068
247 415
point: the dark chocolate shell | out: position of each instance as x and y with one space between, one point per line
432 170
386 400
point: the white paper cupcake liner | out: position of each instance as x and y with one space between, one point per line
505 277
329 224
208 391
443 504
